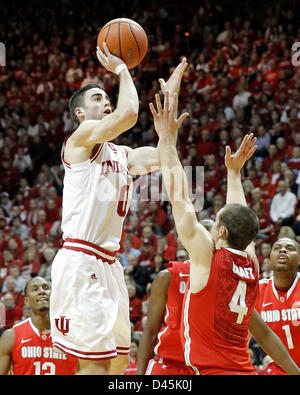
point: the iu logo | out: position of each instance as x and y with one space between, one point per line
62 324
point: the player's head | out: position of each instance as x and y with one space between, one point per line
37 294
237 224
89 102
285 255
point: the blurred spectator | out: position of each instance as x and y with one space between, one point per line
283 205
46 266
13 312
132 367
128 250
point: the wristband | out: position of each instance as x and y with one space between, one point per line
120 68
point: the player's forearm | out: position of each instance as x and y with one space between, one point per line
128 101
173 173
273 346
145 351
235 191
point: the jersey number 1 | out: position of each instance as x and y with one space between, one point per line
238 301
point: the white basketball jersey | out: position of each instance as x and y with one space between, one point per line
96 197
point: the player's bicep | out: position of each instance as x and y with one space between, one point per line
6 346
143 160
91 132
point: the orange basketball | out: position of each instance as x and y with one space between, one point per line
126 39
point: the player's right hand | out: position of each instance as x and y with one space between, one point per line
108 61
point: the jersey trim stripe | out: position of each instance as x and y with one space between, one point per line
90 249
156 348
86 355
97 153
111 254
187 343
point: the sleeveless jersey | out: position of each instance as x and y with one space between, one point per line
214 329
96 197
32 353
168 340
281 311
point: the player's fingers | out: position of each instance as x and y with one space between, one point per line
227 151
105 48
162 84
158 104
152 109
101 57
166 100
182 118
174 104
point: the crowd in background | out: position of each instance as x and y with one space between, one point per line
240 79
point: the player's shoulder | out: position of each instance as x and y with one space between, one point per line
22 323
178 266
7 340
264 282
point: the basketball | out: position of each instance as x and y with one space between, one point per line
126 39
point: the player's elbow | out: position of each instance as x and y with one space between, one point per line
131 117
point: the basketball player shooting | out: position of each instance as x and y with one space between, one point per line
89 307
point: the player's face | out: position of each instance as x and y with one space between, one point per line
38 294
285 256
97 104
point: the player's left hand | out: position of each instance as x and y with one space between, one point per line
173 83
237 160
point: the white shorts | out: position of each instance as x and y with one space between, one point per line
89 306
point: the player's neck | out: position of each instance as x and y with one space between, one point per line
284 280
222 243
41 321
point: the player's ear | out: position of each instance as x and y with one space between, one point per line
223 232
80 113
26 301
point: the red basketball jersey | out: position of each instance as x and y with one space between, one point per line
168 340
214 329
281 311
33 354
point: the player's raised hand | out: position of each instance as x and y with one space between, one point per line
165 119
173 83
108 60
237 160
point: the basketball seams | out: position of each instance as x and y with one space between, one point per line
138 47
107 32
120 45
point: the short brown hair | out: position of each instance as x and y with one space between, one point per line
241 223
77 100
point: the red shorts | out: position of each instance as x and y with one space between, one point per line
161 366
274 370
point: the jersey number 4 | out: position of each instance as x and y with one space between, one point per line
238 301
